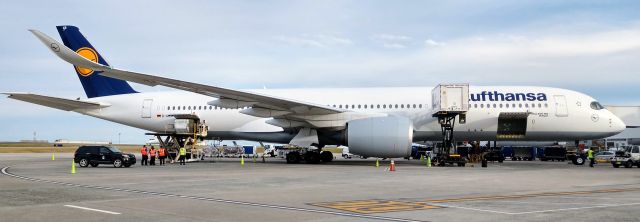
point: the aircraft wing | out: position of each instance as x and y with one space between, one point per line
262 105
53 102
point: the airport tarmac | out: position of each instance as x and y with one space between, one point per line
35 188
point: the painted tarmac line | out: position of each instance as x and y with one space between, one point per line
576 208
92 209
299 209
537 211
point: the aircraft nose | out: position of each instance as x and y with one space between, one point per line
617 125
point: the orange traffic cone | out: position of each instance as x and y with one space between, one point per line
393 166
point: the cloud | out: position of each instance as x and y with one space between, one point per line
431 42
315 40
390 41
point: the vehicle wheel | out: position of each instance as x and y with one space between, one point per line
117 163
94 164
293 157
326 156
83 162
628 164
578 161
127 165
312 157
615 165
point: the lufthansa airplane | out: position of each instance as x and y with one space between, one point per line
377 122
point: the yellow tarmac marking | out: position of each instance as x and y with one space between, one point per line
375 206
386 206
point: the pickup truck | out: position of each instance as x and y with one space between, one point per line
627 156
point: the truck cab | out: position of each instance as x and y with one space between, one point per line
627 156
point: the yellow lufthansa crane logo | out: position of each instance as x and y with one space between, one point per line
89 54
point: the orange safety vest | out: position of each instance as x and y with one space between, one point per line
161 152
152 153
143 151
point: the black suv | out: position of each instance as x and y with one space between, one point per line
94 155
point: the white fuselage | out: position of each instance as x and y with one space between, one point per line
559 115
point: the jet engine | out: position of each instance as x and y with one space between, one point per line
389 136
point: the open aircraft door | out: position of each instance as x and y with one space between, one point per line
146 108
561 106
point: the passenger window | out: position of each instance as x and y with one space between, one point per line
526 105
378 106
396 106
546 105
500 105
520 105
358 106
494 105
402 106
178 108
481 105
414 106
539 105
104 150
420 106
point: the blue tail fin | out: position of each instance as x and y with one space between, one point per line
94 85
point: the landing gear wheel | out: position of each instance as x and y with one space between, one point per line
293 157
312 157
83 163
326 156
117 163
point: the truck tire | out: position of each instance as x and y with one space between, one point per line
293 157
326 156
578 161
117 163
83 162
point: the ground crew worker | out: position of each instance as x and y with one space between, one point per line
183 155
145 157
590 156
153 154
162 155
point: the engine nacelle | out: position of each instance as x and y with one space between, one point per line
389 136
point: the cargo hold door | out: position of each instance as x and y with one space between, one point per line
512 125
146 108
561 106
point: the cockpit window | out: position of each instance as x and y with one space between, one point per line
596 105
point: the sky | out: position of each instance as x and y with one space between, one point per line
589 46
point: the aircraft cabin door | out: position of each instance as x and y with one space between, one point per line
146 108
561 106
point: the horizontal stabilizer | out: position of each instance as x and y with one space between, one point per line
53 102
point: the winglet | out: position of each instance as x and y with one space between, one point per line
67 54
